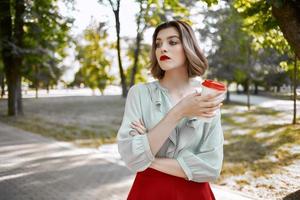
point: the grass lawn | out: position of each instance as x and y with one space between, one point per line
86 121
256 142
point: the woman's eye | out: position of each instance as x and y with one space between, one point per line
173 42
157 45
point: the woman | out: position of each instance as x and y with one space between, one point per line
174 154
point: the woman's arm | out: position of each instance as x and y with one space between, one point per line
159 134
165 165
191 105
168 166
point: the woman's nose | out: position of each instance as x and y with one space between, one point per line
163 48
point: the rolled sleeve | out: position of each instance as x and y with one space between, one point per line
134 150
205 163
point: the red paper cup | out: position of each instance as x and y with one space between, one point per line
212 87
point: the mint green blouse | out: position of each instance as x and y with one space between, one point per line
196 145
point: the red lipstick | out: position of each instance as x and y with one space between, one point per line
164 57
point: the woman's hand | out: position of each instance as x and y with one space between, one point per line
195 105
139 128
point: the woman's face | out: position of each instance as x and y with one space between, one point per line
169 50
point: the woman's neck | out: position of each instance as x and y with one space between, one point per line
175 83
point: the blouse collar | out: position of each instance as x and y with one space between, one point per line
156 96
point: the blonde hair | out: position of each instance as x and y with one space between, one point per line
196 61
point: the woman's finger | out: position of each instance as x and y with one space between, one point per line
138 124
211 98
210 104
212 109
208 115
139 129
142 122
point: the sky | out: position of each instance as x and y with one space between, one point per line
88 9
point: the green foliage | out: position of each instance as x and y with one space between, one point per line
261 25
240 76
142 67
288 67
211 2
159 11
230 54
92 57
245 46
46 35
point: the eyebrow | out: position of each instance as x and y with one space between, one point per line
172 36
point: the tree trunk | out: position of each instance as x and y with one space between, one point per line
136 59
36 91
122 75
277 88
255 88
248 94
36 81
18 36
48 88
295 91
267 88
228 93
288 18
10 64
245 86
2 83
139 36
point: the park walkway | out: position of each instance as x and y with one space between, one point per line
33 167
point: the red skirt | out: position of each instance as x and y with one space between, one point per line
155 185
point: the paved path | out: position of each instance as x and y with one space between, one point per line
38 168
280 105
33 167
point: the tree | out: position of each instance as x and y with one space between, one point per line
140 69
288 18
223 29
272 24
115 6
45 40
92 57
28 29
265 17
11 40
222 60
295 91
143 14
2 79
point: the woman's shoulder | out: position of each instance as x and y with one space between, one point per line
140 88
143 86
